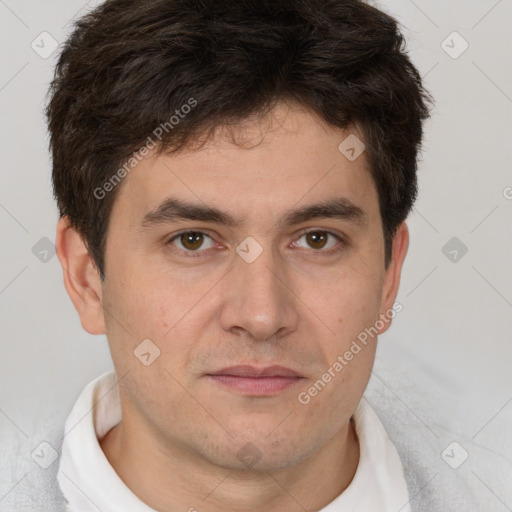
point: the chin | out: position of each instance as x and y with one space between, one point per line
261 454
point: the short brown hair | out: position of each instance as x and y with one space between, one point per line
129 65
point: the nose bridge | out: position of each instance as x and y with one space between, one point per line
259 301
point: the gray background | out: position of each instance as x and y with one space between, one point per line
447 357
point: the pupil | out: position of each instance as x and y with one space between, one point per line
192 240
315 237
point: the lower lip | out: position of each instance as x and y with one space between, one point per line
256 385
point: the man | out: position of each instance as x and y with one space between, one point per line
233 180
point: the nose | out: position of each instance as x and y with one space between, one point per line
259 301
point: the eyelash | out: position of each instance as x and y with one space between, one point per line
197 254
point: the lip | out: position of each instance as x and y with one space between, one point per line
252 381
252 371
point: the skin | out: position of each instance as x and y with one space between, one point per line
176 446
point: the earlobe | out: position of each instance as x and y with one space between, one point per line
81 277
393 274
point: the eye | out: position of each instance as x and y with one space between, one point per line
191 241
319 240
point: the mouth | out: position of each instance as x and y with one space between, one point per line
250 380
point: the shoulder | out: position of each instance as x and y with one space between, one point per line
444 468
28 472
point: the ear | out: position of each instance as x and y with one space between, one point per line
81 277
392 276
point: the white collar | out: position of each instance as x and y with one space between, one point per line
89 482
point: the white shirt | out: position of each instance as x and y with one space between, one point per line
89 483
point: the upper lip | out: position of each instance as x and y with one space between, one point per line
252 371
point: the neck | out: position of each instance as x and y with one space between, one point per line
175 479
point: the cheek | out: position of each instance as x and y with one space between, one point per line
354 309
354 301
133 313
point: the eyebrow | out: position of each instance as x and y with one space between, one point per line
172 210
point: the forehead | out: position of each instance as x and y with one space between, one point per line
288 158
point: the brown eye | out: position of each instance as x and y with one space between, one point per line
316 239
319 240
190 241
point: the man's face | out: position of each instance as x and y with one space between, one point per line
299 303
